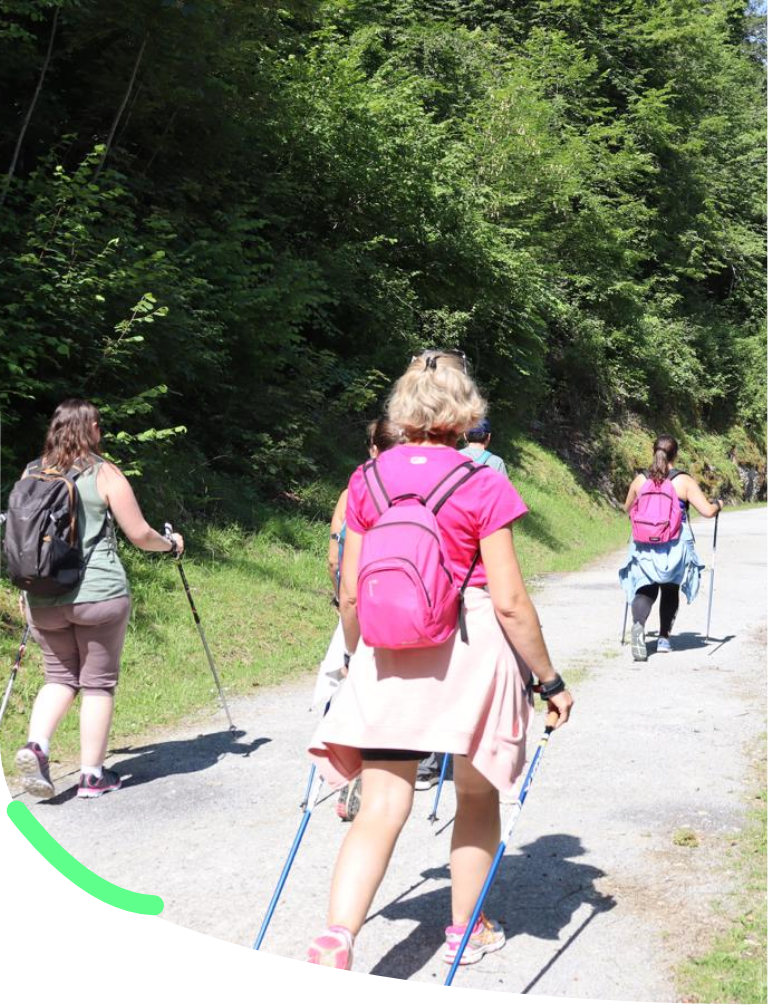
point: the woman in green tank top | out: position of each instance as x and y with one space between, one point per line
82 632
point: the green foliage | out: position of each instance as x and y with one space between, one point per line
571 191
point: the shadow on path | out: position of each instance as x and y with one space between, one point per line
170 757
687 641
536 892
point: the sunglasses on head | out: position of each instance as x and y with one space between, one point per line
431 356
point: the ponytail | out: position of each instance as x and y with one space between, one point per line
664 452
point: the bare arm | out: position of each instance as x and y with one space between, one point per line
117 493
348 594
333 547
634 488
698 500
516 613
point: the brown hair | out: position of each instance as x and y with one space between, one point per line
383 434
664 453
72 434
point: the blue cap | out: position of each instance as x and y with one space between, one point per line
483 428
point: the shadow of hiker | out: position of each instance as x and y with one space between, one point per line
181 757
170 757
687 641
535 892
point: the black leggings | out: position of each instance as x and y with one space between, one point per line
670 601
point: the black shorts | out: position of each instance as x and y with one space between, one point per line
382 754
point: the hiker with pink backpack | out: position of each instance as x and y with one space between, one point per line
442 639
662 554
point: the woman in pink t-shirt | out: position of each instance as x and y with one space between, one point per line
472 698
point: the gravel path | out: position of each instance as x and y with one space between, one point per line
596 898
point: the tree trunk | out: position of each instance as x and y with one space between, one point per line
30 110
121 109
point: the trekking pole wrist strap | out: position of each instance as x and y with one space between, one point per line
551 687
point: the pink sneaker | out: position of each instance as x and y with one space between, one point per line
332 949
486 938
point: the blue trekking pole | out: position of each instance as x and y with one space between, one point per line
433 815
514 814
305 801
316 785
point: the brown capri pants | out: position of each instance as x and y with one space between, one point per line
82 643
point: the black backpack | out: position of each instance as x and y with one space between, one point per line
42 543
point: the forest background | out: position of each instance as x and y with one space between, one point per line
231 224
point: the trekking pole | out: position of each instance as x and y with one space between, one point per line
314 795
196 616
624 626
514 814
14 671
433 815
305 801
712 579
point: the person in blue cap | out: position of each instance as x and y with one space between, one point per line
477 450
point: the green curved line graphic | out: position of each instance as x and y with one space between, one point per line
76 872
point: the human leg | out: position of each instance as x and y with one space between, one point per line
55 636
641 609
386 800
387 797
668 607
476 834
100 632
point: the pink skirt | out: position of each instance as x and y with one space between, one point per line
472 699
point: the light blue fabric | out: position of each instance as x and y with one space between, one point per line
486 458
675 562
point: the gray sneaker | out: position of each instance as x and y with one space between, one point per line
639 652
32 765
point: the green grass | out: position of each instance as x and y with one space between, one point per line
734 970
264 600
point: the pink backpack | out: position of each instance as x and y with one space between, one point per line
407 594
656 514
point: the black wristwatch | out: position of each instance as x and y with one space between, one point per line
551 688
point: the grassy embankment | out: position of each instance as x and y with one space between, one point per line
734 970
264 600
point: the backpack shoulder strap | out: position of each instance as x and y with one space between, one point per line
375 487
484 458
673 473
453 480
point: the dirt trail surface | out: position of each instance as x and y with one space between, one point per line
596 898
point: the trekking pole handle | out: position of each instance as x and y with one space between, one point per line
551 721
168 535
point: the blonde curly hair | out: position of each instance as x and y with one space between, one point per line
435 399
